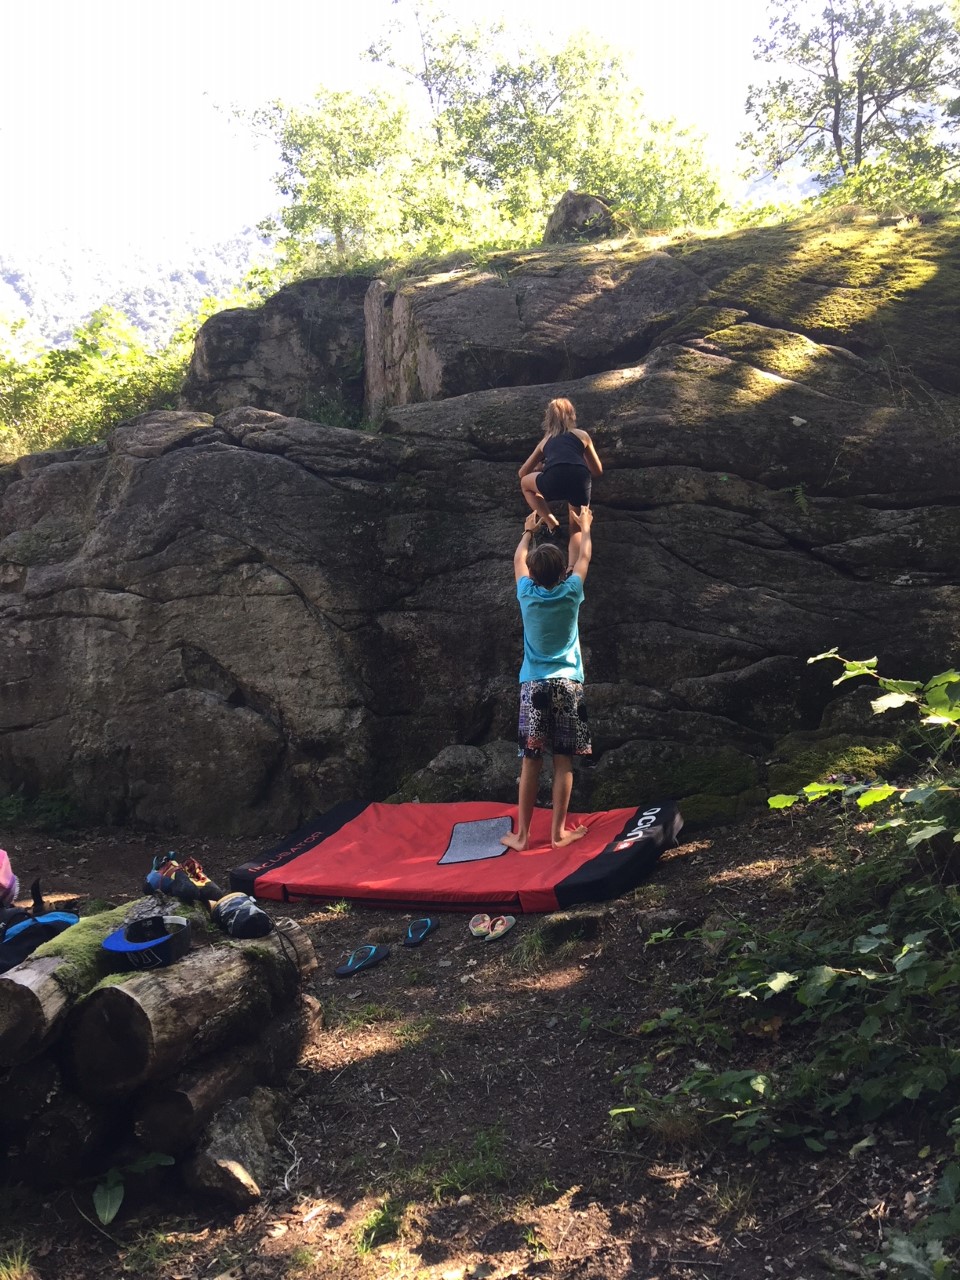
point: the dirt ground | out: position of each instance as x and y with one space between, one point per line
451 1117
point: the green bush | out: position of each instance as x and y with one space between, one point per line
73 395
864 997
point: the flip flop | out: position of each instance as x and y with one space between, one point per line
418 930
499 927
362 958
480 926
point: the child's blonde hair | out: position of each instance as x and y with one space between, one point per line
559 417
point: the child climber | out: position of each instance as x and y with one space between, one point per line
561 467
552 711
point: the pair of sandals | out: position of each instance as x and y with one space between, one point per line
367 956
488 929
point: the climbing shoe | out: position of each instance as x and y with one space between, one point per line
186 881
199 877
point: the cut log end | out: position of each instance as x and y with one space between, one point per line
151 1025
31 1001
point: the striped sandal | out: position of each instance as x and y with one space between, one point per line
480 926
499 927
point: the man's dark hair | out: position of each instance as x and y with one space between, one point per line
546 565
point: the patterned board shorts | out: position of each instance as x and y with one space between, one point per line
553 714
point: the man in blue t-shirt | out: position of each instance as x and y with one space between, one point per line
552 713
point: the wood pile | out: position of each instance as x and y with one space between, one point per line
98 1069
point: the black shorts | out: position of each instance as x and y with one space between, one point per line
566 482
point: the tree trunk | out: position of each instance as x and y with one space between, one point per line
858 127
837 98
151 1024
172 1115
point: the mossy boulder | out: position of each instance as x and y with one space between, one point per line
705 810
641 773
750 800
874 290
464 773
813 757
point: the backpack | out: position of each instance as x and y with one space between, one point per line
22 931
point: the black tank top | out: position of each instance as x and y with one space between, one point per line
564 448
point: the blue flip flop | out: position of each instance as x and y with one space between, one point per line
418 930
362 958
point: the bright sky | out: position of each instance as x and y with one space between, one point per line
115 121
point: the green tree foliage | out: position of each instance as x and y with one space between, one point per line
501 135
341 160
449 64
571 119
868 101
73 394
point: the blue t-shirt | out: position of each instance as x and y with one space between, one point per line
551 639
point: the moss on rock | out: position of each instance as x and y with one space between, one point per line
703 321
633 777
706 810
754 798
815 760
724 772
872 289
435 788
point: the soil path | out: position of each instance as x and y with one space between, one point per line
451 1118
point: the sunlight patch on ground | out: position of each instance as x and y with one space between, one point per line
761 869
675 1175
318 918
686 850
362 1042
548 979
613 378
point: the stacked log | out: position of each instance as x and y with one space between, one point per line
26 1091
36 994
63 1142
91 1064
171 1115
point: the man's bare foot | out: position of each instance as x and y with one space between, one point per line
517 842
551 522
568 837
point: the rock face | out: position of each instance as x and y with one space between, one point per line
299 353
554 317
578 217
231 623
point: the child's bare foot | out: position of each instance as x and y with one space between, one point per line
567 837
517 842
551 522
